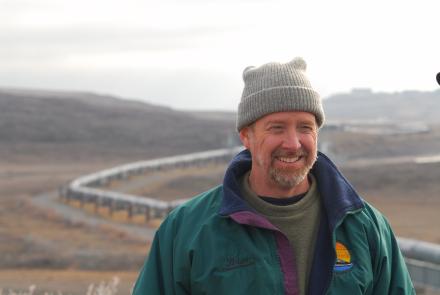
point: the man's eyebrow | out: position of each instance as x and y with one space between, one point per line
308 122
273 122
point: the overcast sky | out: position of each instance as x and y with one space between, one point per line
191 54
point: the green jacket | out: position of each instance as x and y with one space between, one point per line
216 244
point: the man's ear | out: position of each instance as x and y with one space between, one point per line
244 137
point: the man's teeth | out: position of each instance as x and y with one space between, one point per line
288 160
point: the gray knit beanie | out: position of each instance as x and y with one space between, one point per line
276 87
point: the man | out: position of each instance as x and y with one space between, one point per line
285 220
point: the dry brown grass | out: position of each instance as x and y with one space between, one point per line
33 236
67 281
411 218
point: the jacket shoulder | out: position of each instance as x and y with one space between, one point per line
166 269
195 211
372 222
376 223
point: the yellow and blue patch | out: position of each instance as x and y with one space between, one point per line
343 258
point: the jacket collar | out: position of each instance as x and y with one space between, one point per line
338 196
232 201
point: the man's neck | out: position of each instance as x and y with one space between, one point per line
269 188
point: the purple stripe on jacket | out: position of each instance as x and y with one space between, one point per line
285 251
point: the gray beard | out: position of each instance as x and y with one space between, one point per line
285 180
288 180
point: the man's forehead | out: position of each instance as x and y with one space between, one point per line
287 116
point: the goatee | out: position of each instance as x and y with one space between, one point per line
288 178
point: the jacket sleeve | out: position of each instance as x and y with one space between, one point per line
390 272
160 275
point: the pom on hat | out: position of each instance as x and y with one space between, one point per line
247 69
299 63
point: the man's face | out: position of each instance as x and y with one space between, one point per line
283 147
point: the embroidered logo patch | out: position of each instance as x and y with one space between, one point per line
232 262
343 258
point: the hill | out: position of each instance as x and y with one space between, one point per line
365 105
81 118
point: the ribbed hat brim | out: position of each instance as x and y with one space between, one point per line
279 99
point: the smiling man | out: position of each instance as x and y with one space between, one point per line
285 220
283 146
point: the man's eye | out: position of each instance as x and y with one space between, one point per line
276 128
306 128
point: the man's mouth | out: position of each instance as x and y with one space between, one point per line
289 159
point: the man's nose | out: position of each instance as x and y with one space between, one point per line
291 141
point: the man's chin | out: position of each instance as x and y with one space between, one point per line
286 179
